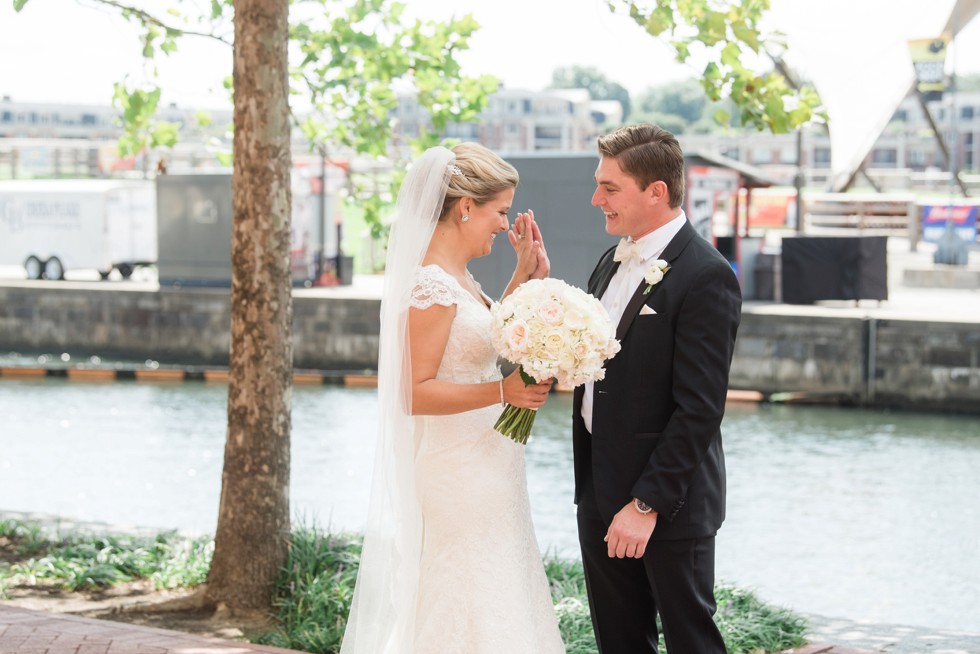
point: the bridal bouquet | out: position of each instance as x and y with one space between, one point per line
551 330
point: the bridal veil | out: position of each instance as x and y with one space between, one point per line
382 616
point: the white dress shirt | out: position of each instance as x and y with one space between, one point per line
624 283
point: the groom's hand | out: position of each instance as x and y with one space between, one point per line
630 532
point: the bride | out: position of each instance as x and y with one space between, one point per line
450 563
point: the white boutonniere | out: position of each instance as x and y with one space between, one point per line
655 274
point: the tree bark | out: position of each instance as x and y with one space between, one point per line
252 537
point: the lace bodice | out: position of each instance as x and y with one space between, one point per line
469 357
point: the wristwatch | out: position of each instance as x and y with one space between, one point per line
642 506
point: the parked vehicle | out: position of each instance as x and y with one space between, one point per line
194 226
53 226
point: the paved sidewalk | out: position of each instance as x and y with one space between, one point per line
869 637
23 631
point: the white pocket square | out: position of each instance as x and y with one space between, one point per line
647 311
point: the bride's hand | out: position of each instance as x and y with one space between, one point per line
528 244
523 396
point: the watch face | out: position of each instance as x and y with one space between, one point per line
642 506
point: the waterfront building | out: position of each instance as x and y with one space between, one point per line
905 156
563 120
46 139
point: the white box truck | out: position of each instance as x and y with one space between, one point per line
53 226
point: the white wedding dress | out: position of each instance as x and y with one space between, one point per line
482 586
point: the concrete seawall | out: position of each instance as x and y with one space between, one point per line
867 361
182 326
804 353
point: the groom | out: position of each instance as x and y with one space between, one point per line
649 465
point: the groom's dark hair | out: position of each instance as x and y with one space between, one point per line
648 154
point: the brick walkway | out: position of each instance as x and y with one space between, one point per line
23 631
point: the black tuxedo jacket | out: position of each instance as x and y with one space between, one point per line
656 417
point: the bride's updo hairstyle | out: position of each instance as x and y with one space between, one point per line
479 174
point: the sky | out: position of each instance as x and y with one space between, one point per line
66 51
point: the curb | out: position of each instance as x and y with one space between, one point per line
177 375
365 379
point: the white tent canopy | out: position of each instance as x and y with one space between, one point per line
855 52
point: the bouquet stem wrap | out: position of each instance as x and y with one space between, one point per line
515 423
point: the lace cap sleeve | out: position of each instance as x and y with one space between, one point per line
433 286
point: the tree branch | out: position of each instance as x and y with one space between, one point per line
150 19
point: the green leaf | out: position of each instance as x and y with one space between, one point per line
722 117
528 379
731 55
164 135
656 25
746 35
682 49
225 158
19 4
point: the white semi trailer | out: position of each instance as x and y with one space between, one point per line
53 226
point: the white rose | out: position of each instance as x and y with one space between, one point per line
553 343
516 334
576 318
551 312
567 360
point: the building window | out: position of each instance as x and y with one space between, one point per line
884 156
901 116
88 119
7 117
821 157
966 113
462 131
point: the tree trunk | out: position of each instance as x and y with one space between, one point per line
253 518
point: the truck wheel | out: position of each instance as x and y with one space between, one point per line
34 267
53 269
125 270
104 274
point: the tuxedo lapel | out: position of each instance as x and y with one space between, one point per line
632 308
604 277
678 243
670 253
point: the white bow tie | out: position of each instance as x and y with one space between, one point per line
628 250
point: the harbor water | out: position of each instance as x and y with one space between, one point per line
837 512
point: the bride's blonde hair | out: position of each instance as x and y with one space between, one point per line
480 174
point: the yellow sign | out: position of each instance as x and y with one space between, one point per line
929 60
